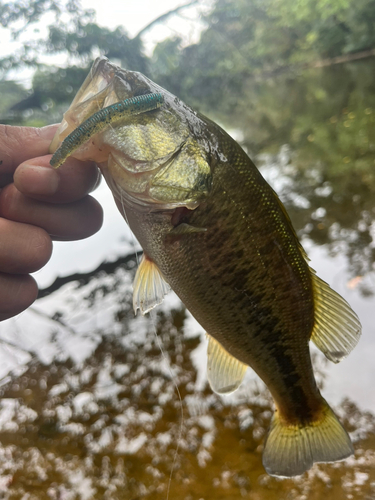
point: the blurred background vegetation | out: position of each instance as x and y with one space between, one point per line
242 45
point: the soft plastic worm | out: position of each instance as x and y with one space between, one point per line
101 119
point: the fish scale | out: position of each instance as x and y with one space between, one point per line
260 319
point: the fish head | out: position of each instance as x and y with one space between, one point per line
157 160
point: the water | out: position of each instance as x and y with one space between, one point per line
89 404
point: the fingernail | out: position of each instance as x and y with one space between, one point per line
33 179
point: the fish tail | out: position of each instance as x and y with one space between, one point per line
291 449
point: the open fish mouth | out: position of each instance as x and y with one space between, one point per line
149 158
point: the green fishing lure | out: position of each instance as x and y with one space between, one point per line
101 119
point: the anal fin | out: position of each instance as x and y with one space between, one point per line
149 286
224 372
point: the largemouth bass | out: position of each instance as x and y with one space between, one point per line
215 232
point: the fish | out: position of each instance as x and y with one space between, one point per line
216 233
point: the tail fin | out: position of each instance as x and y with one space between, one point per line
290 450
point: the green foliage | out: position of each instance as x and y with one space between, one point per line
329 124
83 40
75 34
242 39
59 85
28 12
254 39
11 93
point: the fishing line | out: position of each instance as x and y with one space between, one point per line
158 341
160 345
133 238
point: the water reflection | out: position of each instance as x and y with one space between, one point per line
96 413
327 119
339 218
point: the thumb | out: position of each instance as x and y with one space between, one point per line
18 144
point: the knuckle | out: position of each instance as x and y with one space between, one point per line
9 197
40 248
16 294
20 143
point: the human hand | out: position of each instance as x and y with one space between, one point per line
37 205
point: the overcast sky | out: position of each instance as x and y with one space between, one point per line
136 14
133 15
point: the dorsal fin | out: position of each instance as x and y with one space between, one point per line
149 286
224 372
337 328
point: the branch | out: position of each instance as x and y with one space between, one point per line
84 278
321 63
163 17
355 56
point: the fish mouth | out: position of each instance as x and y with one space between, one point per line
105 84
151 160
116 83
125 83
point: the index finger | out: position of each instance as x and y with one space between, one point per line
18 144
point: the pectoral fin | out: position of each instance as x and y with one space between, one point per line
149 286
224 372
337 328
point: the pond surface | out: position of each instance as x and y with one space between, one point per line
99 404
